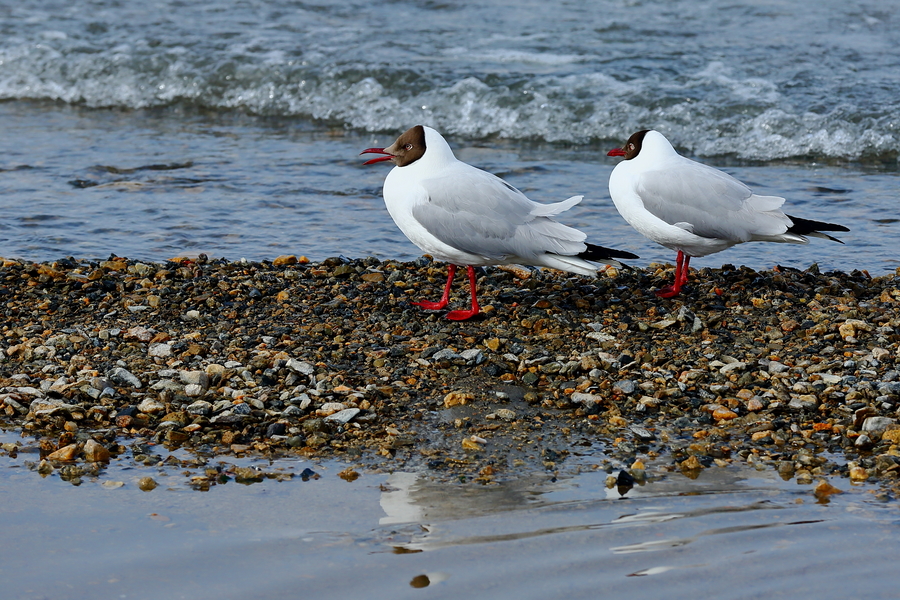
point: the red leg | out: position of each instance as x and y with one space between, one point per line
445 299
462 315
681 277
684 270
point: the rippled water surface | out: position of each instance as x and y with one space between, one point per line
152 129
758 80
730 533
154 184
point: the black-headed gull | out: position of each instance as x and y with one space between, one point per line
466 216
695 209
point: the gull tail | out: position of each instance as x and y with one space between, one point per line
814 228
600 254
578 263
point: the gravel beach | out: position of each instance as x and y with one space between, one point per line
786 370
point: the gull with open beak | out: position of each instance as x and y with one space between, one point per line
465 216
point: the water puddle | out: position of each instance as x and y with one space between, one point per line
730 533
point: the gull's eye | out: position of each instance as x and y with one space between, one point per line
408 147
630 147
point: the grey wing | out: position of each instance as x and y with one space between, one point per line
709 203
480 213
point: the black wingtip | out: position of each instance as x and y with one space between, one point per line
808 226
595 253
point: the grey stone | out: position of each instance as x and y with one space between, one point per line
241 409
297 441
777 367
196 378
193 390
804 402
473 355
227 419
889 387
877 423
160 349
303 401
446 354
100 383
167 384
200 407
343 416
29 391
686 316
291 411
586 399
626 386
222 405
644 435
299 366
15 405
123 376
733 366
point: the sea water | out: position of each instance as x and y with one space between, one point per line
159 129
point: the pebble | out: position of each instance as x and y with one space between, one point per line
125 377
193 390
723 414
200 407
330 408
151 406
199 378
824 489
505 414
301 367
583 362
858 473
804 402
160 350
95 452
877 423
66 453
276 429
587 399
343 416
626 386
777 367
457 398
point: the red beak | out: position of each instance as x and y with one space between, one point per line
376 151
616 152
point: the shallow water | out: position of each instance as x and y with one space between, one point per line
233 128
156 184
731 533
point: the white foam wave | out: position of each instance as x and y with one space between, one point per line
710 112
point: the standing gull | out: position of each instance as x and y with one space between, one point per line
695 209
466 216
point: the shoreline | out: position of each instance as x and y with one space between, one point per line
786 370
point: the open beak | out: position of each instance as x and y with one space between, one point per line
388 156
613 152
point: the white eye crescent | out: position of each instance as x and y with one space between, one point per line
408 147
